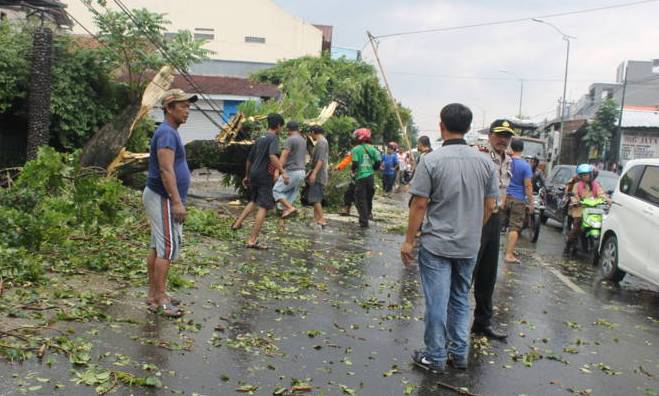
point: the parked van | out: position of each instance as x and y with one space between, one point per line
629 231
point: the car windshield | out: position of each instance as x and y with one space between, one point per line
608 181
534 149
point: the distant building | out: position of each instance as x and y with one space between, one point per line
642 88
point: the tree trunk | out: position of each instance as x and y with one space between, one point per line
38 133
108 141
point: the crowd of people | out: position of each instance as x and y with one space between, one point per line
460 198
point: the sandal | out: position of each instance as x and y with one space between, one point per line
235 227
166 310
173 300
286 215
256 246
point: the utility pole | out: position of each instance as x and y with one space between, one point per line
521 90
403 128
617 139
567 39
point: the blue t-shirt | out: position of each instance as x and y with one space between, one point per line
520 170
390 162
167 137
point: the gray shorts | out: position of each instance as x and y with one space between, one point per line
166 233
315 193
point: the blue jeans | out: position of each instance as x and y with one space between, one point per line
446 283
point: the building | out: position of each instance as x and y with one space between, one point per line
640 133
49 10
245 37
224 93
642 88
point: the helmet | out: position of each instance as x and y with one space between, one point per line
584 168
362 135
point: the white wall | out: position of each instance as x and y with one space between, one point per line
286 36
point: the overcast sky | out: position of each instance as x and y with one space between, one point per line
430 70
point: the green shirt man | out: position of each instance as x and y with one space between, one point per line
366 156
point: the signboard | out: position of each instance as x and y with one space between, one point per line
639 145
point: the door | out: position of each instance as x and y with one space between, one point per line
648 195
625 214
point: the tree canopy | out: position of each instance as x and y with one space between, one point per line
310 83
602 129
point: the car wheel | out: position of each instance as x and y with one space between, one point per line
609 260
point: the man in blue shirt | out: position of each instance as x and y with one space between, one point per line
519 198
164 199
390 168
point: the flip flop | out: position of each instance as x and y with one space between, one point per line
515 261
286 215
173 300
166 310
256 246
234 227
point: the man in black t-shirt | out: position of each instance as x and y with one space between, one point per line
258 179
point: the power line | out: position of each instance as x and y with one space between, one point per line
515 20
458 77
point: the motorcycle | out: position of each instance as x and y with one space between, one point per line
532 221
592 216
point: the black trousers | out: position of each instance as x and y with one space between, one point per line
364 192
349 195
485 274
388 182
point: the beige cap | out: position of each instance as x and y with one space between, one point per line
177 95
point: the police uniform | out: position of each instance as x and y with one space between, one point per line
485 273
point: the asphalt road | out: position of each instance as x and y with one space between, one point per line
336 310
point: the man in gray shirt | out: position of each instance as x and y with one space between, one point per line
454 191
295 147
318 176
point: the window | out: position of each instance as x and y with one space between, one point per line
561 177
630 179
169 35
648 188
204 36
258 40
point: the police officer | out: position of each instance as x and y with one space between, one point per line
485 274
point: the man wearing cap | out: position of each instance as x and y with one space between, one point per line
292 157
485 274
164 198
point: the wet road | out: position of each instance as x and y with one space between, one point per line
336 310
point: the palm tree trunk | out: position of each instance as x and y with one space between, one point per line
38 133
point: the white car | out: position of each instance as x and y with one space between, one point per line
630 231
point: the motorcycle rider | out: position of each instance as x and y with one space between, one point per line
538 181
583 186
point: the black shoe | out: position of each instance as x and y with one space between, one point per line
489 332
457 362
423 362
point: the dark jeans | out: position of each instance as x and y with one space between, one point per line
364 191
349 195
485 274
388 182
